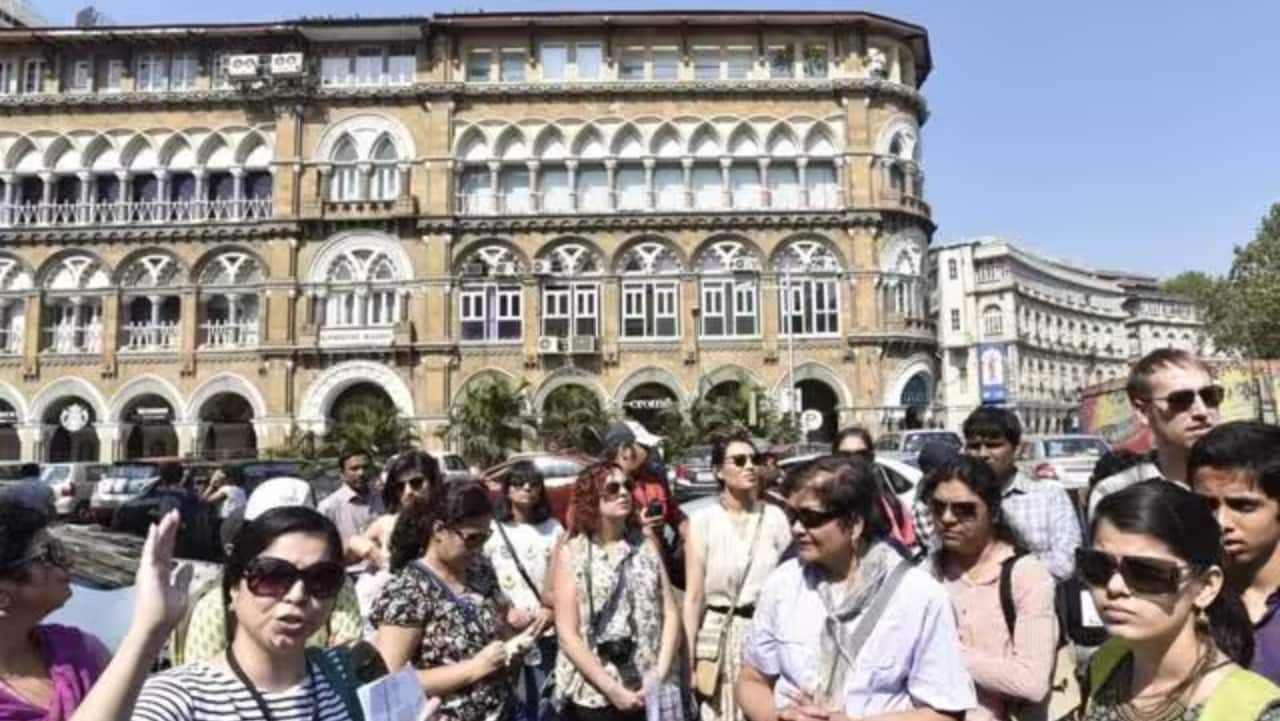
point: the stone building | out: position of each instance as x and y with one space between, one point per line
214 235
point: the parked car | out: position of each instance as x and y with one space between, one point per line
120 483
18 472
1067 458
72 485
691 475
905 445
453 468
559 472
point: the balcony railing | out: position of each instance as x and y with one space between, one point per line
906 202
150 337
74 338
223 334
10 342
604 201
147 212
363 336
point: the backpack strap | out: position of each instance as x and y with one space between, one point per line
1242 695
335 664
1102 665
1007 605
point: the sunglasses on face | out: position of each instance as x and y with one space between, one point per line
613 489
415 482
740 459
472 539
1142 574
809 518
274 577
529 485
1181 401
962 511
50 553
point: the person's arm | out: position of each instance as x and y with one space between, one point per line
670 624
160 598
1066 537
694 592
574 646
397 644
1025 670
754 692
213 494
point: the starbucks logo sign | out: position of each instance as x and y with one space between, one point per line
74 418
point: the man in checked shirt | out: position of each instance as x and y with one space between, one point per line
1041 512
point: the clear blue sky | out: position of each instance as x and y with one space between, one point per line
1136 135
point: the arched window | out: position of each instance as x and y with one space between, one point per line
570 279
72 312
809 288
230 284
15 283
386 173
152 308
650 291
491 300
361 291
346 174
993 321
730 290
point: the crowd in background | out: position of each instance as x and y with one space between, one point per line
813 595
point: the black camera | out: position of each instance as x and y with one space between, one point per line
619 652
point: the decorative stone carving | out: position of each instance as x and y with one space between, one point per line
876 63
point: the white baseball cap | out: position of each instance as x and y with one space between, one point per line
279 493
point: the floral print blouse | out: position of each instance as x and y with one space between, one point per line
637 616
452 632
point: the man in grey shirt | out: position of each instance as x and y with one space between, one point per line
353 507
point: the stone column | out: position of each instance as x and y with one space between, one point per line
32 333
611 172
764 193
572 167
535 185
726 200
189 329
687 165
46 197
324 189
365 182
801 177
237 192
495 186
406 192
650 193
108 441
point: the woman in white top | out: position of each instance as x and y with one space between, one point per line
524 535
224 489
732 549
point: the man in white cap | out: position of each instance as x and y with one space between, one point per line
630 445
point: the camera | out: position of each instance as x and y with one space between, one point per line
655 509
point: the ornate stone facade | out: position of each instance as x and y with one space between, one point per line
199 259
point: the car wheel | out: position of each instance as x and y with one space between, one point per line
82 513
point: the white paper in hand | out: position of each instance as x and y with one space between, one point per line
394 697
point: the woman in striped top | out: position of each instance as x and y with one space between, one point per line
279 585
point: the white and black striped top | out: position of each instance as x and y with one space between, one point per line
203 692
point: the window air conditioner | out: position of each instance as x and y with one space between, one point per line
240 67
548 344
504 269
287 65
542 267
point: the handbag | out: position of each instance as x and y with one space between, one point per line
708 645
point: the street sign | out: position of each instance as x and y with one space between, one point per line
811 420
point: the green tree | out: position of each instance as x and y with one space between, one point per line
572 417
371 427
489 423
1241 314
1193 284
747 409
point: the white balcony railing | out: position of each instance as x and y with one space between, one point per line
364 336
150 337
148 212
660 201
68 338
223 334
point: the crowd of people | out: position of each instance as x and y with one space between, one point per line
814 595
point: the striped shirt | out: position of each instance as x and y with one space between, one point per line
203 691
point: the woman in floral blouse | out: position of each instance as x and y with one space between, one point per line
614 611
443 611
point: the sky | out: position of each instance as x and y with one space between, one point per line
1138 135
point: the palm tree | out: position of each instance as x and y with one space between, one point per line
489 422
573 418
376 429
747 409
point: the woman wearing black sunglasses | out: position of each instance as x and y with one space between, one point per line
1179 637
733 547
1002 595
279 585
444 612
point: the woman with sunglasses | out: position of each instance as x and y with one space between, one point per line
444 612
984 564
1180 638
615 613
850 629
520 546
45 669
733 547
279 585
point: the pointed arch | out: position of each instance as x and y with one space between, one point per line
143 385
512 145
215 152
151 268
589 143
102 154
74 270
819 141
667 142
366 128
782 142
176 153
472 146
138 153
16 273
903 131
24 156
384 150
627 143
225 382
705 142
61 154
369 245
744 141
550 144
344 151
229 265
253 151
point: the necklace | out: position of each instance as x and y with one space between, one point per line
1171 705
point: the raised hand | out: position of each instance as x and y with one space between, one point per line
160 596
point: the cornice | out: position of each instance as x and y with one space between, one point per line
149 233
652 222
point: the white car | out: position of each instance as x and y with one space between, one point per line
72 485
1066 458
454 469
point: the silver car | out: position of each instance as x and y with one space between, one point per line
1066 458
72 485
905 445
454 469
119 484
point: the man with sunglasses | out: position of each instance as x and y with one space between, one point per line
1236 468
1043 514
1174 395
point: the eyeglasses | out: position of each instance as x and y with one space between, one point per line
473 539
809 518
740 459
529 484
414 482
50 552
963 511
1142 574
273 577
613 489
1182 400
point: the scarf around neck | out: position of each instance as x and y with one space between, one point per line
836 652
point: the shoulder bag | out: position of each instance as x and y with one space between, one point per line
708 652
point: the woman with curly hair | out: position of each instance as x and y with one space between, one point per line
614 610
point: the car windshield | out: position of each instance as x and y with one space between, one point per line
55 474
454 463
696 456
19 472
1061 447
133 471
916 441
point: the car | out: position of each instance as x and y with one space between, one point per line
453 468
906 445
121 482
1067 458
72 485
559 472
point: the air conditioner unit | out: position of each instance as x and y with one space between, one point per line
583 344
743 265
548 344
474 270
504 269
287 64
240 67
542 267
